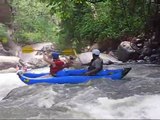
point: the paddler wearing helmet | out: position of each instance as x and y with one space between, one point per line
55 63
96 63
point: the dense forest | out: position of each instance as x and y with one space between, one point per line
82 22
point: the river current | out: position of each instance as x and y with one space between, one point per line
136 96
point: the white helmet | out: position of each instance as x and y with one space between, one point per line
95 52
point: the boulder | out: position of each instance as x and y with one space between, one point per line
31 60
10 59
47 47
85 58
8 62
124 51
6 65
36 62
9 70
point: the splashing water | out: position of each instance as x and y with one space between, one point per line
135 97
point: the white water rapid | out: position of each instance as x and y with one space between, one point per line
135 97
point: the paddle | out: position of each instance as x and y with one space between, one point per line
69 51
75 53
30 49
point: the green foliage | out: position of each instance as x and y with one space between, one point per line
3 30
3 34
79 22
34 22
86 21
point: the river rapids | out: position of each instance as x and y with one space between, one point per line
136 96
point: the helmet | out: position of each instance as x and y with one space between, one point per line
95 52
55 55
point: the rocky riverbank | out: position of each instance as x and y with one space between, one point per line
125 52
34 59
30 60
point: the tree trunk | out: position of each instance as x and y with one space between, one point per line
6 17
13 48
5 12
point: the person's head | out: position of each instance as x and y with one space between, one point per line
95 52
55 55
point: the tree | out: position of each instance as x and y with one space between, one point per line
33 22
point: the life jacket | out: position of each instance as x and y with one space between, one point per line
92 67
58 66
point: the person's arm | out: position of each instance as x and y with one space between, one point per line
98 67
94 71
68 62
47 59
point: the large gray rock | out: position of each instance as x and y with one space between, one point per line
10 59
9 70
37 63
7 62
85 58
31 60
124 51
48 47
6 65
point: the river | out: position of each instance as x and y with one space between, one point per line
136 96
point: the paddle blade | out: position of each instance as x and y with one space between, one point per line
28 49
69 51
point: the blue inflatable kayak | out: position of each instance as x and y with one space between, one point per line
72 76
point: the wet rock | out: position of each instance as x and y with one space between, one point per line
146 51
124 51
6 65
9 70
154 58
49 47
36 63
8 61
141 61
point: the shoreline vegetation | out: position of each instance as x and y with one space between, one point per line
128 30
